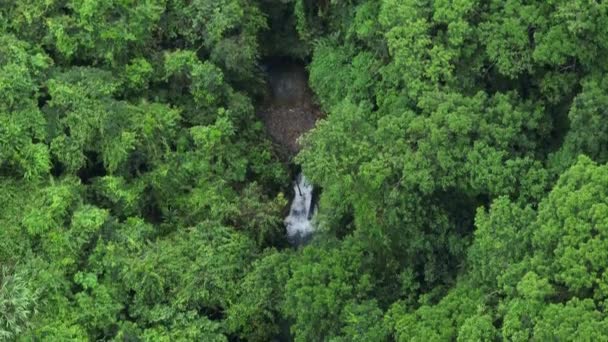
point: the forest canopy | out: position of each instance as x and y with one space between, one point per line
461 162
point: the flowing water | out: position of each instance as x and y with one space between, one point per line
299 222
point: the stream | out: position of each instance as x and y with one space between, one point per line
289 111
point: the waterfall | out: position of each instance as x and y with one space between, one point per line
298 223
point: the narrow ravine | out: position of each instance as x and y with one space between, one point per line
288 112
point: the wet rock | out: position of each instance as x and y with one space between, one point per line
289 109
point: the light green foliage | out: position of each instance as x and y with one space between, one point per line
561 243
575 321
118 195
503 237
127 133
97 304
17 302
50 208
478 328
186 327
206 79
588 129
105 31
256 316
22 125
325 281
362 322
521 313
228 30
14 240
567 35
507 37
570 236
82 104
138 73
261 219
193 269
426 98
439 322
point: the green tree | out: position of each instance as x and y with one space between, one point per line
255 315
569 236
22 124
18 302
325 280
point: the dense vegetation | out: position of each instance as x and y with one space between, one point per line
462 161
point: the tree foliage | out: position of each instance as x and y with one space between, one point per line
460 161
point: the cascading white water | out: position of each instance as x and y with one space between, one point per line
299 225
